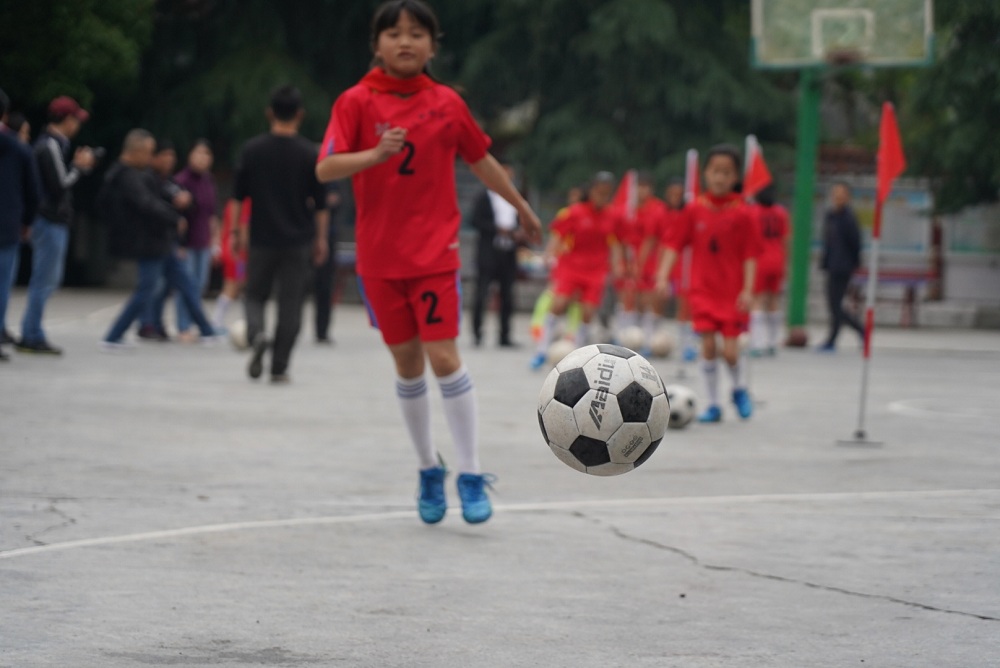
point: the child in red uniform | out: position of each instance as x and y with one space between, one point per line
765 321
680 275
397 133
651 217
583 239
234 263
724 246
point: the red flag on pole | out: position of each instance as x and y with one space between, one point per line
758 175
891 161
626 199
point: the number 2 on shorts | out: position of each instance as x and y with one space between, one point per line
432 317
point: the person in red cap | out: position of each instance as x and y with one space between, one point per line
50 232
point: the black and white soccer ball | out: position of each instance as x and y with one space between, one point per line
683 406
603 410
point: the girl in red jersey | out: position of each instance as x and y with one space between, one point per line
725 244
651 216
584 241
765 321
234 263
397 133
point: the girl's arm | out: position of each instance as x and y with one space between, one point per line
745 300
342 165
494 177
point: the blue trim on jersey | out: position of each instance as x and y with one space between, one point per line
364 299
458 287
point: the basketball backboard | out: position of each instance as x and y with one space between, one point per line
794 34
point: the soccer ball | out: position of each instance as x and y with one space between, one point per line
559 349
662 344
238 335
603 410
632 337
682 406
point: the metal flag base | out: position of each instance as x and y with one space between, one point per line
860 440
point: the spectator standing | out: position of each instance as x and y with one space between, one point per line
203 226
50 231
19 197
287 232
326 273
142 228
841 258
496 259
19 125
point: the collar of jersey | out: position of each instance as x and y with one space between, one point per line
381 82
724 202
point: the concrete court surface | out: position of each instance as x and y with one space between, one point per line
158 509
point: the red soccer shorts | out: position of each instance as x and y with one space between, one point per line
234 267
429 307
586 287
712 318
769 281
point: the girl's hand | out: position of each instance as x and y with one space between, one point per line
532 226
391 143
745 301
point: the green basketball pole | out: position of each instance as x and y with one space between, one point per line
807 147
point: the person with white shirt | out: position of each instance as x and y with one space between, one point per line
496 259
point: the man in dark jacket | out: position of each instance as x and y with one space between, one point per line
142 227
18 206
496 260
50 231
841 258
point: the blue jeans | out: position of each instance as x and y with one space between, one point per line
198 262
8 270
150 274
49 242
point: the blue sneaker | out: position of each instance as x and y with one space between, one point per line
537 362
744 404
690 354
432 504
712 414
827 349
476 506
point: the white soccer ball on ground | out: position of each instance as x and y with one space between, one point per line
603 410
238 335
683 403
662 344
559 349
632 337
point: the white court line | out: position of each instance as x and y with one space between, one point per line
910 410
512 508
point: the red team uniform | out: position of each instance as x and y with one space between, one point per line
774 229
651 219
234 265
680 273
722 235
408 215
588 234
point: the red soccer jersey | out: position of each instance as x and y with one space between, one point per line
672 220
651 217
589 234
774 229
407 207
722 235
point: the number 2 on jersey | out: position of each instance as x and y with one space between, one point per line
410 150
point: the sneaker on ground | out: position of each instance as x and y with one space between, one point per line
280 379
431 504
711 415
38 348
153 333
744 404
116 346
690 354
6 339
256 366
537 362
827 349
476 506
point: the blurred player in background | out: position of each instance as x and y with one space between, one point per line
398 133
724 245
765 321
584 242
680 275
651 218
234 263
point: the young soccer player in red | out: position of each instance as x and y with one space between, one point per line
397 133
583 239
651 216
725 244
680 275
765 321
234 263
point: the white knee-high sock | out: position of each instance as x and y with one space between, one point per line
736 373
710 369
222 305
583 334
758 333
774 320
548 331
416 407
461 413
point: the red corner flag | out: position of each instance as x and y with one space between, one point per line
891 161
758 175
626 200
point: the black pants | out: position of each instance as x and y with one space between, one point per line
323 293
497 267
836 290
289 271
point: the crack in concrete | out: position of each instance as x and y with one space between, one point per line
777 578
53 508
